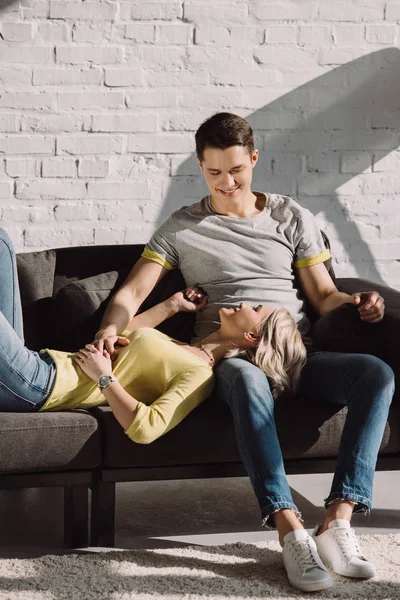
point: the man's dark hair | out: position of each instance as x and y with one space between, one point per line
222 131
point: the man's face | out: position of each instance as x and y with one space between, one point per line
228 172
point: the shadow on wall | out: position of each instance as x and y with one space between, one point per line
331 129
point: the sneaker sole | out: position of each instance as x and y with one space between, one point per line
353 574
312 587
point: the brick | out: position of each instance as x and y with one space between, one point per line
15 76
89 144
163 142
17 32
9 123
42 189
319 35
123 77
23 144
36 9
118 190
356 162
141 33
174 34
53 31
77 55
59 76
136 122
198 12
93 167
88 100
22 167
52 122
383 161
59 167
41 100
26 55
79 11
75 212
148 11
162 97
347 11
338 56
359 140
184 165
281 34
6 189
392 11
287 164
171 77
381 34
91 32
109 236
326 162
122 212
39 237
381 184
350 35
292 58
283 11
150 56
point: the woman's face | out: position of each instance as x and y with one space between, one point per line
243 318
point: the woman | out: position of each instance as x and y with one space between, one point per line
155 381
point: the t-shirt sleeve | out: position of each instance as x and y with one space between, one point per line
309 246
162 246
185 392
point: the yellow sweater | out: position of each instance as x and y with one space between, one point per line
167 380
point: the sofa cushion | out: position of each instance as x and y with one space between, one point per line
36 276
79 306
49 441
207 436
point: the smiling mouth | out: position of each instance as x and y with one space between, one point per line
228 192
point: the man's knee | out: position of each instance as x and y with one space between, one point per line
375 373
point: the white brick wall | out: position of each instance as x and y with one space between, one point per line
100 102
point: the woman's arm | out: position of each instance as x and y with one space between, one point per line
164 310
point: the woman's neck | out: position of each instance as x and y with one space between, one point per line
215 346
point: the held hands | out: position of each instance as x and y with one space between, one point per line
191 299
371 306
108 344
93 362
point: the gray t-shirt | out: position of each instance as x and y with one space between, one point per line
249 259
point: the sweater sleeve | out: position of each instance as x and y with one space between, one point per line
185 392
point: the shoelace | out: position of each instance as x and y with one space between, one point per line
347 541
303 555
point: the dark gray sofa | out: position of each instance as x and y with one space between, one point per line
64 293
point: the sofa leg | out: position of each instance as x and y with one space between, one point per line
102 531
76 516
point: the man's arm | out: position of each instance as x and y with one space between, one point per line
324 296
123 306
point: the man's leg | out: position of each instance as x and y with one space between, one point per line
365 384
245 389
10 300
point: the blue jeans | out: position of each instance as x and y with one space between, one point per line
26 378
364 383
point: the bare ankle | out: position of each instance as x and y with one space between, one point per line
339 509
286 521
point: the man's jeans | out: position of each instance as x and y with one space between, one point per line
26 378
362 382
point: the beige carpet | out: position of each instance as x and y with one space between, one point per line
233 571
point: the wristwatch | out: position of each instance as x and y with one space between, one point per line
105 381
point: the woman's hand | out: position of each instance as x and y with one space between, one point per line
94 363
191 299
111 344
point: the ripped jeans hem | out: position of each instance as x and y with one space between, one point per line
360 503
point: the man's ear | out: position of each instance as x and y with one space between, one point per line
254 157
199 163
252 338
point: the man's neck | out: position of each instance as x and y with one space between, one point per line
250 205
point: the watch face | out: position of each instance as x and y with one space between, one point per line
104 380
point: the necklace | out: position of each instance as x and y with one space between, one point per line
210 356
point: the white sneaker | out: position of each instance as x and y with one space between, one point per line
338 547
305 569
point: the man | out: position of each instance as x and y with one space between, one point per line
241 245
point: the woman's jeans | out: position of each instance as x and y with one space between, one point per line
26 378
362 382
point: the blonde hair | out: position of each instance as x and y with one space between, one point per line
280 353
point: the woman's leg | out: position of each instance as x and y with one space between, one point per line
26 378
10 301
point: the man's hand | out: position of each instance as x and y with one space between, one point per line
94 363
191 299
108 343
371 306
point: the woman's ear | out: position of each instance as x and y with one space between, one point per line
252 338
